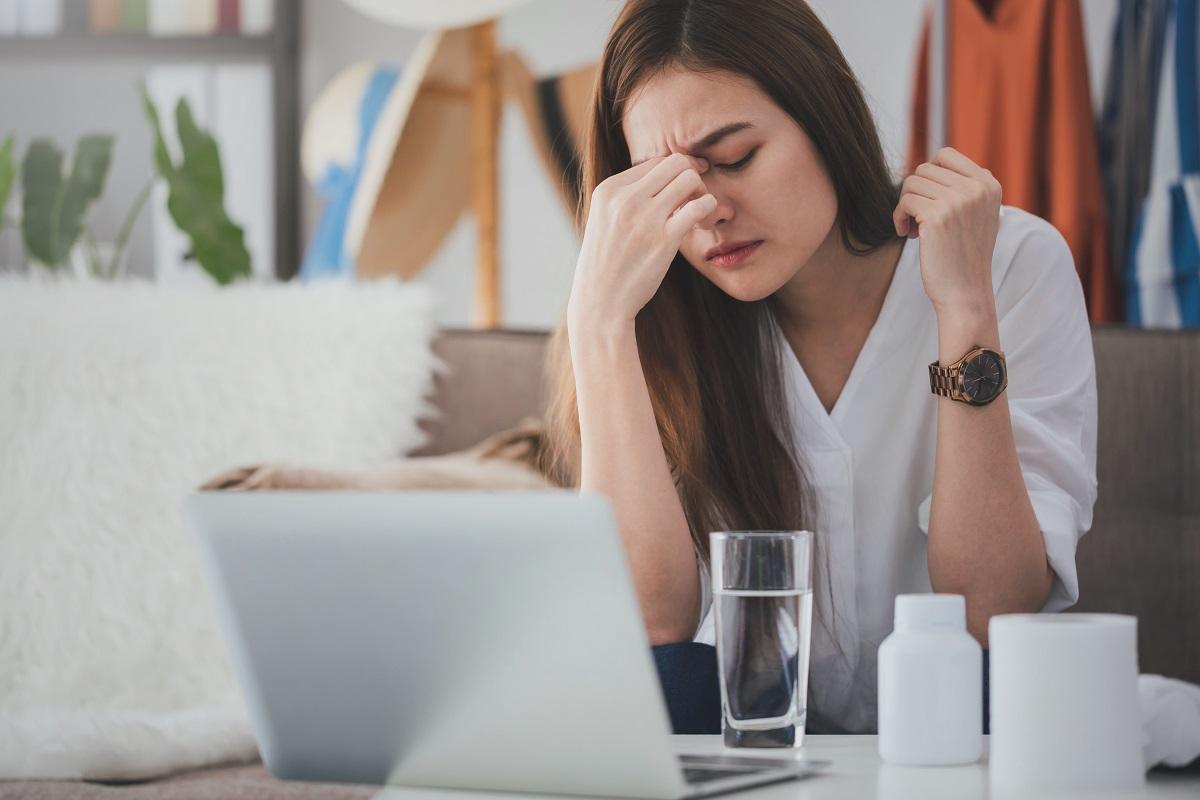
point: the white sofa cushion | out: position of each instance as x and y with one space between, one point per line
115 401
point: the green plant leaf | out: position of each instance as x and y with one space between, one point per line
41 183
53 209
162 157
93 155
201 156
7 173
196 195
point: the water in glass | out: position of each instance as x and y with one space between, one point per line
763 642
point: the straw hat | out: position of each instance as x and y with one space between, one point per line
390 149
391 160
434 14
555 110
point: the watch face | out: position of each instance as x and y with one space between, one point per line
982 378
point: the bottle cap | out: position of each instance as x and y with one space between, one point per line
919 612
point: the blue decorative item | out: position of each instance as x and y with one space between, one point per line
327 254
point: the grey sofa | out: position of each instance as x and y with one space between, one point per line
1141 557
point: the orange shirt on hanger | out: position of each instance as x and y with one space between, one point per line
1018 103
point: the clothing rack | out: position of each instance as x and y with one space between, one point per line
938 58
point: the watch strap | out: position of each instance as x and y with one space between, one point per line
943 381
947 381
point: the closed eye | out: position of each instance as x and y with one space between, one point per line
734 167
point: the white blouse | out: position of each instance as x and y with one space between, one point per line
870 461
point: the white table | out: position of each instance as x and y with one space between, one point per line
855 772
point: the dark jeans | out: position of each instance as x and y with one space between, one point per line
688 673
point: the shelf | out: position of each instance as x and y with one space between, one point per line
279 48
135 46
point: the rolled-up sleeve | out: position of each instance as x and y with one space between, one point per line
705 628
1047 343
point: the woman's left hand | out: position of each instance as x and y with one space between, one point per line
953 205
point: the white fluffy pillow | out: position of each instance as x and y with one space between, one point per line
115 401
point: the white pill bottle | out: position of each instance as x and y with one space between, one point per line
930 684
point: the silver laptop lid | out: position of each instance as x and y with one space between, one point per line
438 639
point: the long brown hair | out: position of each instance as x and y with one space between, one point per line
712 362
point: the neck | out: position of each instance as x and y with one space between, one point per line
836 288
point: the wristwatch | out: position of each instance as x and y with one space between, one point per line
977 378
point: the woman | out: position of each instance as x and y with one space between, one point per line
705 385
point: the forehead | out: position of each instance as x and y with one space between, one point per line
672 111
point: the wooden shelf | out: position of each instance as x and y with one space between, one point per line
136 46
279 49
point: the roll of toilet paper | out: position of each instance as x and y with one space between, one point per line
1064 703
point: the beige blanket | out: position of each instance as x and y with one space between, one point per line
506 460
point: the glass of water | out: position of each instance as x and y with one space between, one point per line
762 594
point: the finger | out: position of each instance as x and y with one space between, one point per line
938 174
917 184
902 218
904 223
688 215
919 208
665 171
687 185
635 172
952 159
639 171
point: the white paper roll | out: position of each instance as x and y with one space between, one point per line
1064 703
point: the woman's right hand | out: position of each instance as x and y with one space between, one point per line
636 222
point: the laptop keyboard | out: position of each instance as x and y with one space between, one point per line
701 769
692 775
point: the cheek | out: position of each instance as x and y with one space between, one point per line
777 191
803 206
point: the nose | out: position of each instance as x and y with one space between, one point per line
721 213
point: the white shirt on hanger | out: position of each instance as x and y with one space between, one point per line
870 461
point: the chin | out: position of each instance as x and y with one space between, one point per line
746 285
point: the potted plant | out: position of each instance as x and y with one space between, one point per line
56 202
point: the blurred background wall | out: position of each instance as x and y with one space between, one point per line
62 96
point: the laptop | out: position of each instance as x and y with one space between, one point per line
467 640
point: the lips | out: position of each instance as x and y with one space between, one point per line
733 254
726 247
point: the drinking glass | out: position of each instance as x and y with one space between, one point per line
762 598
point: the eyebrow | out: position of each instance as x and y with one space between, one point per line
710 139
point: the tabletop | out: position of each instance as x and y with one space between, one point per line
855 771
